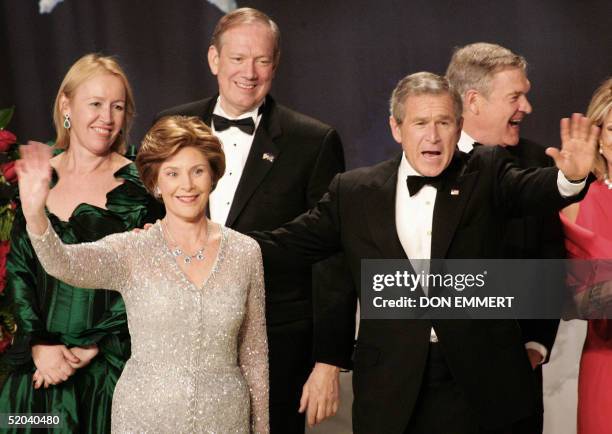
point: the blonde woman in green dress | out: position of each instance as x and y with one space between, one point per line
72 345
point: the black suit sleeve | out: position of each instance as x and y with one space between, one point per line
525 192
311 237
333 316
335 303
314 237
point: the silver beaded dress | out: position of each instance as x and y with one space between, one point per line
199 359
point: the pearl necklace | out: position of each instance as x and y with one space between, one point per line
177 251
607 181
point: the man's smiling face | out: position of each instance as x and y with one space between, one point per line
244 66
501 112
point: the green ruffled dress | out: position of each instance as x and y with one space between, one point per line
50 311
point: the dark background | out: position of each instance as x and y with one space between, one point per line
340 59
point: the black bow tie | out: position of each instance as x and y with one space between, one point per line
246 125
416 182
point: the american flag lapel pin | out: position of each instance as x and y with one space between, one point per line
454 192
268 157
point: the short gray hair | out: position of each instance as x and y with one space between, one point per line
422 83
473 66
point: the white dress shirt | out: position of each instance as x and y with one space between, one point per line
466 143
414 216
413 220
236 146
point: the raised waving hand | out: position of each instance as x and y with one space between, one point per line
34 174
578 147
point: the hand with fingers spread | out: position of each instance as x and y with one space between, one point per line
34 174
321 394
52 363
578 147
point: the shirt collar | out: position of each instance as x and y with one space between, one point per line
405 170
466 143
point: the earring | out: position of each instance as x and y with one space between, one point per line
600 148
67 123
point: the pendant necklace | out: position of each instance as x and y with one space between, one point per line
177 251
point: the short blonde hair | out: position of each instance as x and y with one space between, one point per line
599 107
82 70
167 137
474 65
242 16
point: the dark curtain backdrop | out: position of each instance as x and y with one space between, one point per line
340 59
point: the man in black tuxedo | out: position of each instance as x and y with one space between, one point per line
435 376
278 164
493 84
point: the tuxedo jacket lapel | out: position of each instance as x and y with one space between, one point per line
261 157
451 199
206 114
379 208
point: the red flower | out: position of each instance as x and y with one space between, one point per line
8 170
6 342
5 246
6 140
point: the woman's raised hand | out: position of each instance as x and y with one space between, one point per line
34 174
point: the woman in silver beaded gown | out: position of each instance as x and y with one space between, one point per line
199 351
